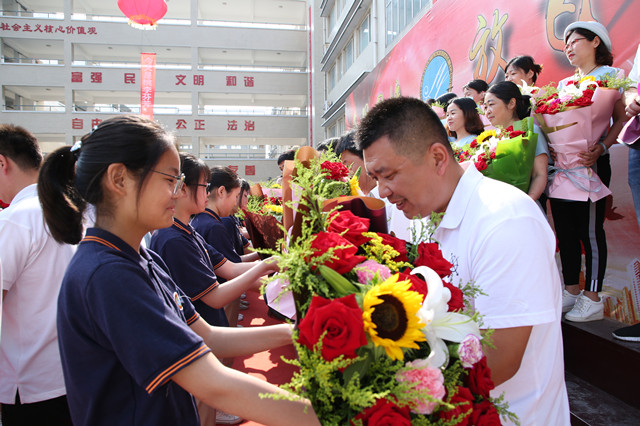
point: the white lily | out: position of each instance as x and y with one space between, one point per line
440 324
525 89
570 90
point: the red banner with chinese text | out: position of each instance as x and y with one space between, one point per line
458 41
147 83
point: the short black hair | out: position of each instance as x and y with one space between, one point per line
348 143
409 123
477 85
444 99
289 154
327 144
21 146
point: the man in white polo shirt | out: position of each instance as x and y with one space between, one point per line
495 235
32 387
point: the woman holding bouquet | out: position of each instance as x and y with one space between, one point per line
463 121
579 224
504 105
133 348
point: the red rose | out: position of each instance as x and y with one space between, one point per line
345 253
515 133
418 285
463 400
456 303
429 255
337 171
398 245
481 165
492 155
385 412
341 319
354 225
485 414
479 378
474 143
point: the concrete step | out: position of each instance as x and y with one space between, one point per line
602 374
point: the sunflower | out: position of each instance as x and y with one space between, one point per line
389 314
485 135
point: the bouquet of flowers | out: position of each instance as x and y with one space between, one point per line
505 154
383 337
574 118
263 218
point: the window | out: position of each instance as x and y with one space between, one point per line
363 35
331 78
348 55
400 13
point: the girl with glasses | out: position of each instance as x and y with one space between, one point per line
221 202
194 264
133 348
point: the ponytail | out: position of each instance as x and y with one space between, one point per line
523 106
72 177
526 64
507 90
62 205
225 177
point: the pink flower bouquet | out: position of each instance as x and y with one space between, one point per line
572 130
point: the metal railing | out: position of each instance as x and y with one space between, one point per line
119 108
35 108
31 61
251 68
267 111
126 64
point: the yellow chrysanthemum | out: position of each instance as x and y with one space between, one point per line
588 78
389 315
274 208
277 186
485 135
354 185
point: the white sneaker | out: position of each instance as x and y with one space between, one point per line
568 300
585 310
223 418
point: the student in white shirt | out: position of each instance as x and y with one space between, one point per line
32 389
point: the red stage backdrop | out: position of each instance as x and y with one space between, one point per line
458 41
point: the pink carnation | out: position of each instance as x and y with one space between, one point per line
470 350
367 269
424 378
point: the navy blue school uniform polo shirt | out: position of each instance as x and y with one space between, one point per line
209 225
123 329
240 243
191 262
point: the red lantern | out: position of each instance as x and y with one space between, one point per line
143 14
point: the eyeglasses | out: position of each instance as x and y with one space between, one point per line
207 186
572 44
179 180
